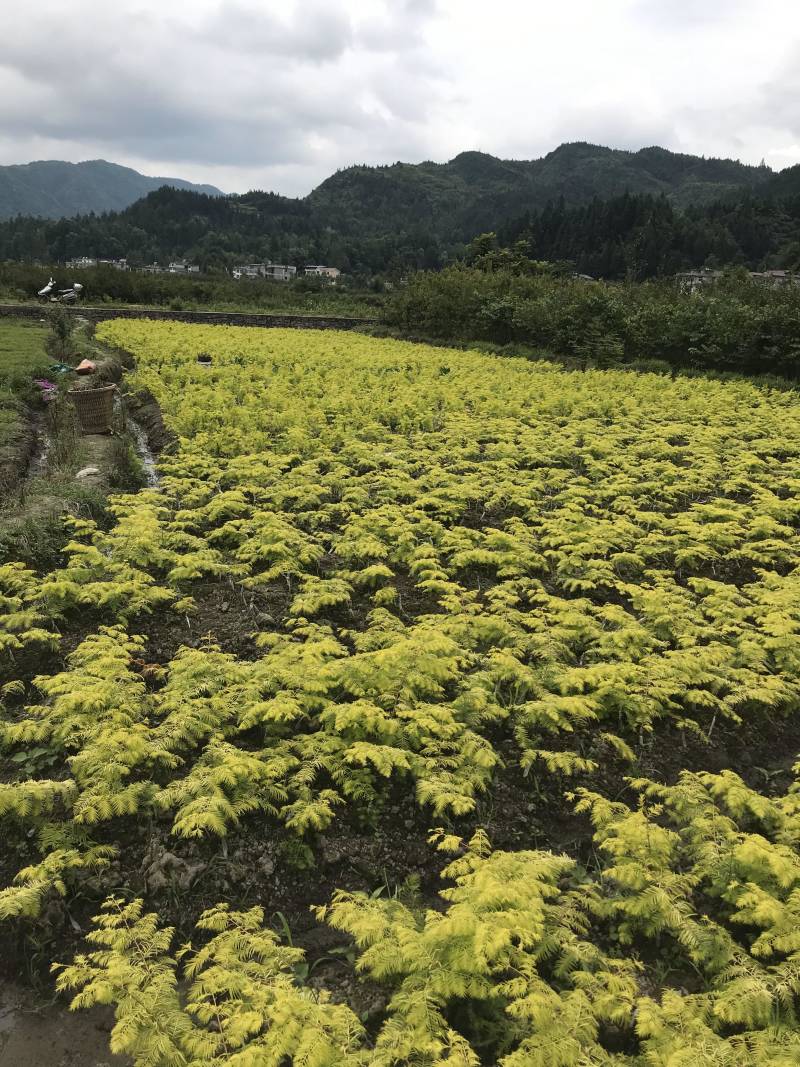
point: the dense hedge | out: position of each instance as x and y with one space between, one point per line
735 325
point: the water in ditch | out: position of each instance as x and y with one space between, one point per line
144 453
40 456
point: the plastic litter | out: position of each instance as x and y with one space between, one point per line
49 389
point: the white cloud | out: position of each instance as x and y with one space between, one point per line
681 15
243 93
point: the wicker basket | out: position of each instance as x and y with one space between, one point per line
95 408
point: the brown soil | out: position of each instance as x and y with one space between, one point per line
225 615
38 1033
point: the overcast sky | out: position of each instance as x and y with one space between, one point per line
248 94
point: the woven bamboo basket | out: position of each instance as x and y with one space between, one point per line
95 408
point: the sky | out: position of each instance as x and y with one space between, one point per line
278 95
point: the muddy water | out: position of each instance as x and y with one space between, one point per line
37 464
145 455
35 1033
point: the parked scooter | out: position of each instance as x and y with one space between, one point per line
60 296
69 296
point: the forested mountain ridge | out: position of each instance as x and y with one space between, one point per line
390 219
644 236
55 189
475 191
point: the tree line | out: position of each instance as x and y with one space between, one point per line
635 236
734 325
641 237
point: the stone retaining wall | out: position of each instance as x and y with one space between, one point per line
208 318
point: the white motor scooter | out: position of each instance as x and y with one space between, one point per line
69 296
60 296
45 293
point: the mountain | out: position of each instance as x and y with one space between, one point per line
785 183
54 189
475 191
388 219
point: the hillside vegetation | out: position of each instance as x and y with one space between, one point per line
639 237
734 325
54 189
550 616
475 190
384 219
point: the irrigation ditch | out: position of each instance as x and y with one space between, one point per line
50 469
48 472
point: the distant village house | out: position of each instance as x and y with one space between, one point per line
278 272
319 271
83 262
776 278
179 266
692 280
249 270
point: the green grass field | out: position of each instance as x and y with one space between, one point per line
22 359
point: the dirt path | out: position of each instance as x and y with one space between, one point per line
36 1033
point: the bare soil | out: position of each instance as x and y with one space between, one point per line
39 1033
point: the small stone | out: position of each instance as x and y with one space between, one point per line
331 854
87 472
168 868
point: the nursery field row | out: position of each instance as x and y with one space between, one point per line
447 571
